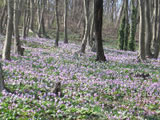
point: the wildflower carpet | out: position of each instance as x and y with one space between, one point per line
120 88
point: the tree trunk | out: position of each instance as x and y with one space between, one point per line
126 26
86 33
32 15
1 79
4 10
120 15
148 30
98 17
24 29
155 22
133 26
142 31
57 21
9 31
65 21
17 44
92 42
157 41
41 26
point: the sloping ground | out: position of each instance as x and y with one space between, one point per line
120 88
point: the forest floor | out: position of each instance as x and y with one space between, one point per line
118 89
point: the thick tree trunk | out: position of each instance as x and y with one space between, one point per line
65 21
98 17
142 31
1 79
9 31
133 26
57 21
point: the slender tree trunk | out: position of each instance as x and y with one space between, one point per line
112 12
1 79
148 30
57 21
120 15
24 25
92 42
17 44
86 33
24 29
98 17
4 10
155 20
32 15
9 31
41 26
142 31
4 23
65 21
157 41
126 26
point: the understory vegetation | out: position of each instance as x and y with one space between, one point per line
120 88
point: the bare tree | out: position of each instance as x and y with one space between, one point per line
1 79
148 30
9 31
4 10
142 53
41 10
17 43
86 32
157 40
98 17
65 21
57 20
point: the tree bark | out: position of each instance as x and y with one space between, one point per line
126 26
155 22
98 17
157 41
148 30
57 21
133 26
142 31
1 79
9 31
17 43
65 21
32 15
25 19
41 26
4 10
86 33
